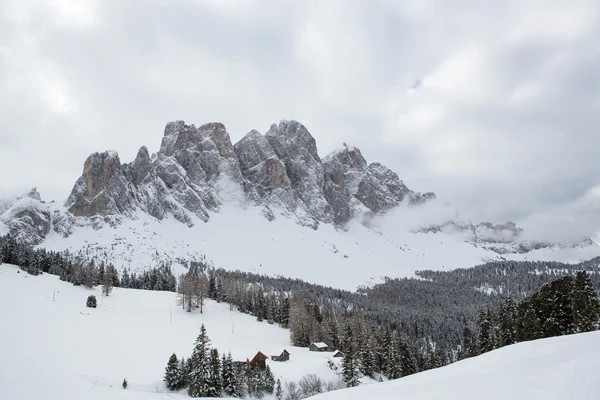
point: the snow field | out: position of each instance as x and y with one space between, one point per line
54 348
557 368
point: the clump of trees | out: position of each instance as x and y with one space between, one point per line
207 374
564 306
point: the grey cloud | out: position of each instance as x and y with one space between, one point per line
518 137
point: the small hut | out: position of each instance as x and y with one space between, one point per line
259 360
338 354
284 356
318 346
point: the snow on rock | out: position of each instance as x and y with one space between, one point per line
550 369
54 348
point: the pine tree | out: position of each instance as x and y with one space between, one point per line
484 339
214 383
172 373
199 374
468 342
393 366
350 371
278 390
407 359
508 329
269 380
228 376
586 308
365 354
182 377
529 326
126 280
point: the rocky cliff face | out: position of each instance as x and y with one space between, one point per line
280 171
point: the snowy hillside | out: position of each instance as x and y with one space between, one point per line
243 239
551 369
52 347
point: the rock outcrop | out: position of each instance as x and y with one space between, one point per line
187 178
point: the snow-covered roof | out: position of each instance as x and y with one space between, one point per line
320 345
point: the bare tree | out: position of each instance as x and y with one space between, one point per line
311 385
292 391
186 291
107 280
200 289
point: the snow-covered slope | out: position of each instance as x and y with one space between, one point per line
239 237
54 348
551 369
245 240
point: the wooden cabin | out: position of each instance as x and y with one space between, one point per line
259 360
318 346
338 354
284 356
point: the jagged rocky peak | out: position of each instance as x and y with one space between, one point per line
263 171
102 188
349 156
30 220
141 169
295 146
203 152
278 170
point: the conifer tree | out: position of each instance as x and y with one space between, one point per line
182 378
228 376
172 373
199 373
586 308
278 390
365 354
350 371
214 382
484 339
269 380
393 366
407 359
507 317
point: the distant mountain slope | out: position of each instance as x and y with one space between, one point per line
551 369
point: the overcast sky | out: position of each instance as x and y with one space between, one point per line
493 105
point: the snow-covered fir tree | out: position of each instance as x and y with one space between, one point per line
199 374
172 373
350 372
215 385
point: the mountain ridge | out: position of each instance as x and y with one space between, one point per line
280 170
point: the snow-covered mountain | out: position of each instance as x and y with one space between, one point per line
504 238
266 204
